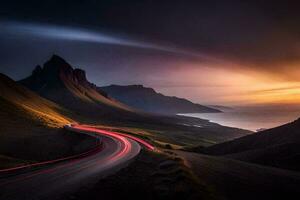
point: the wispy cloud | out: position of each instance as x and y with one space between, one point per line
277 89
87 35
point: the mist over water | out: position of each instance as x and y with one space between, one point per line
254 117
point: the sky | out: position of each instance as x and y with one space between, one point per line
211 52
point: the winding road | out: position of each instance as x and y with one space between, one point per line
62 179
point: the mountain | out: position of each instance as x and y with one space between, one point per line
30 127
59 82
278 147
148 100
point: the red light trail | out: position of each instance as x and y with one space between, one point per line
122 138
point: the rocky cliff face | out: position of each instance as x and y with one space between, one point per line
54 74
58 81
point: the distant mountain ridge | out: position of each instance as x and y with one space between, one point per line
148 100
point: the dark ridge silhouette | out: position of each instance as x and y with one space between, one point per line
148 100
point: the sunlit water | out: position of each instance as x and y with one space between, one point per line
252 118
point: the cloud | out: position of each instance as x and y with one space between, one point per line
66 33
70 33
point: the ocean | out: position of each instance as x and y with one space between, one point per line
252 118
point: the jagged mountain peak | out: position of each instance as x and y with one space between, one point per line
57 59
57 66
56 71
58 81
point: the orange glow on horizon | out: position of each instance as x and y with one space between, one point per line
228 86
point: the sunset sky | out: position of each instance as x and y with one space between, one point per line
211 52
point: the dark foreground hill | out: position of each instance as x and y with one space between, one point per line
278 147
233 179
148 100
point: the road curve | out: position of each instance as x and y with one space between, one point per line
64 178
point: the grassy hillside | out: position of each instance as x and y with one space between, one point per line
172 134
38 108
30 127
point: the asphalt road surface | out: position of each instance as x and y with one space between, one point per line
64 178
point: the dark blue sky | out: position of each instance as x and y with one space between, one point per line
169 45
